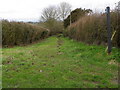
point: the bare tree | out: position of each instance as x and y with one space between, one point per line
50 13
64 10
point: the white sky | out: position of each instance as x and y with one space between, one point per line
30 10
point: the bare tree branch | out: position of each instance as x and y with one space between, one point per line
64 10
50 13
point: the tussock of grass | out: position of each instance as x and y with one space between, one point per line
40 66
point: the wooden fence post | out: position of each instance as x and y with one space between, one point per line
109 30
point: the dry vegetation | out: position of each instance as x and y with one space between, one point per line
53 25
92 29
19 33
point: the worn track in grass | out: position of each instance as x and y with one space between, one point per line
59 62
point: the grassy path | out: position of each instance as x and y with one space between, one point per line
59 63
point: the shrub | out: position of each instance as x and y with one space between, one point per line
92 29
54 26
17 33
75 15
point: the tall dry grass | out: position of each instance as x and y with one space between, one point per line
92 29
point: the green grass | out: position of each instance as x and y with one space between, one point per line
59 63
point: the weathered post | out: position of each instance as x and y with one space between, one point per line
109 30
70 17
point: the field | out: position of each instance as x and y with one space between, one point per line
59 62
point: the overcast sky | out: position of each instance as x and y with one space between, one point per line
30 10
